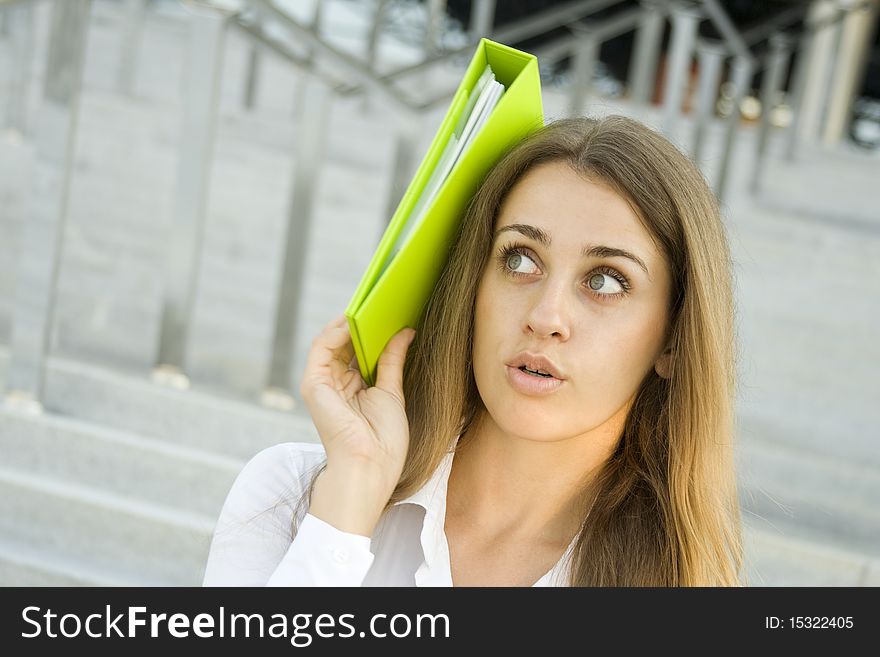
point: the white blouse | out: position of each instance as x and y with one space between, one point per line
252 543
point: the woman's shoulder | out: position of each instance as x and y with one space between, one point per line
254 528
276 474
284 464
293 454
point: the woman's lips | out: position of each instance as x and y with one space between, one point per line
530 384
536 362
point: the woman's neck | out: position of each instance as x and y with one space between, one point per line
515 488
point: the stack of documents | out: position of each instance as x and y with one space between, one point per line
497 104
481 102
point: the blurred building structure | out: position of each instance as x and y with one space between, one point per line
190 190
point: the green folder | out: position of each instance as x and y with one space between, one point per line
397 283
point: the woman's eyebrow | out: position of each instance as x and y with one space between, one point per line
531 232
589 251
602 251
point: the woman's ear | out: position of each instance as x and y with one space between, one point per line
663 365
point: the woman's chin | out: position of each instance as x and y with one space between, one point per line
534 424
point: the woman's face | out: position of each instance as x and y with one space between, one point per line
559 296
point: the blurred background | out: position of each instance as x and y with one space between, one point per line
189 191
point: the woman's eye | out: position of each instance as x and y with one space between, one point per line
521 264
604 284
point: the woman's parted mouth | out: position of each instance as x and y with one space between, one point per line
537 365
536 373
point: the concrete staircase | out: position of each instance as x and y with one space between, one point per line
121 480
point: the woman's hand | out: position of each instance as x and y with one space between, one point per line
364 430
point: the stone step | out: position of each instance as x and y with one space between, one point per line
68 450
29 564
775 560
783 488
105 533
196 419
807 495
770 560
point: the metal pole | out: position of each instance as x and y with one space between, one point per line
685 20
726 27
404 164
741 80
21 24
373 45
586 55
302 82
132 27
856 32
43 234
434 26
252 77
711 58
482 18
196 146
817 86
796 96
375 32
310 153
643 69
774 75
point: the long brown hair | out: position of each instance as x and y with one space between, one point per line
664 511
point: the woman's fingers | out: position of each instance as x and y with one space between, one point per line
329 356
352 382
339 320
332 360
390 368
334 342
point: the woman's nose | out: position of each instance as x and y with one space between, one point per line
548 315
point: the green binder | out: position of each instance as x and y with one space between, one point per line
397 283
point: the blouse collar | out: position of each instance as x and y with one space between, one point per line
436 571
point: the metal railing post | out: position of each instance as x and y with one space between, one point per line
403 164
796 95
856 31
711 59
774 75
310 151
372 50
21 29
434 25
302 83
817 85
43 232
374 34
685 21
586 54
196 146
741 79
132 27
252 69
643 67
482 18
252 77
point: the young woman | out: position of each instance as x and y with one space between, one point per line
562 416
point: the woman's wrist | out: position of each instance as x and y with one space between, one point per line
352 499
